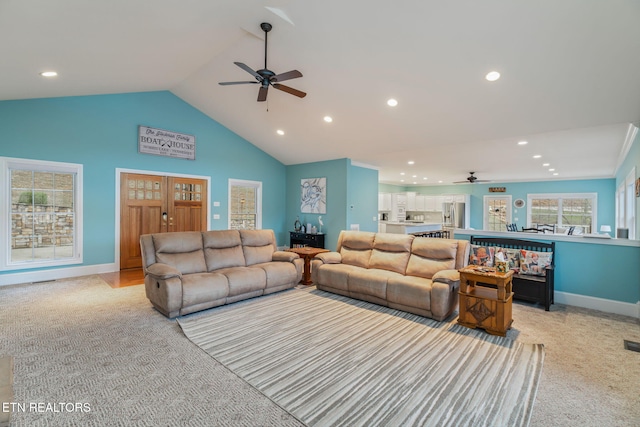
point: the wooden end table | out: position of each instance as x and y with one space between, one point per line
485 307
307 253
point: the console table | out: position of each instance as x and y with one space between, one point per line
300 240
483 307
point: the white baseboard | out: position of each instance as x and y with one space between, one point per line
54 274
601 304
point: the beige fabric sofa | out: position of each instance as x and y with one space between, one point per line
191 271
414 274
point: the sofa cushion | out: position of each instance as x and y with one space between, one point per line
335 275
182 251
258 246
429 256
370 282
410 291
391 252
203 287
243 280
222 249
356 239
278 273
356 257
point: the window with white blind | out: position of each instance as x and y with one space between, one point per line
245 204
41 214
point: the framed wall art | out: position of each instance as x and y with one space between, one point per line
313 195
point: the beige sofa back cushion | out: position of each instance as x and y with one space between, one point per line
182 250
429 256
222 249
355 247
258 245
391 252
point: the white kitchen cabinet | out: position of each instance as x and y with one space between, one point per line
384 201
421 202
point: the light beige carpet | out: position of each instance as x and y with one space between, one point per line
79 340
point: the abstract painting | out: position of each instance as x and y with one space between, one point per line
313 195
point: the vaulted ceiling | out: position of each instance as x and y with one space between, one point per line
569 82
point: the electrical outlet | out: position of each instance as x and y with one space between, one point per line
216 216
216 204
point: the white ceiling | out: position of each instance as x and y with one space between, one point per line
570 81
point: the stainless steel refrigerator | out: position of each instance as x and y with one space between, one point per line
453 215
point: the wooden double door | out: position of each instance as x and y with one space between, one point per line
157 204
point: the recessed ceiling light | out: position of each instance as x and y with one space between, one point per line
551 170
414 182
392 102
328 119
523 142
425 178
537 156
555 174
411 162
439 182
545 164
48 74
401 173
414 176
492 76
402 180
280 132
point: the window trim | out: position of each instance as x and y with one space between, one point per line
592 196
8 163
485 209
246 183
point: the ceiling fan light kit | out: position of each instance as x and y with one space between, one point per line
265 77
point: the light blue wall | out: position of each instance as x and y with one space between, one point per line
347 185
100 132
605 188
363 198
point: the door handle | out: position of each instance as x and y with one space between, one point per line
164 216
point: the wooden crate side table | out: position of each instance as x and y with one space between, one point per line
484 307
307 253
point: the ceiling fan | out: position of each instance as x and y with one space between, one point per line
266 77
471 179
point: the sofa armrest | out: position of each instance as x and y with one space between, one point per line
329 257
285 256
446 276
162 271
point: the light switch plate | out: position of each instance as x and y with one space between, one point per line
216 216
216 204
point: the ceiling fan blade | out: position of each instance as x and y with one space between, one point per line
290 90
236 83
262 93
249 70
293 74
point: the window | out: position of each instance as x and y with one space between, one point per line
497 213
42 215
626 206
245 204
563 210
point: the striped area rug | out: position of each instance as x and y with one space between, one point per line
331 360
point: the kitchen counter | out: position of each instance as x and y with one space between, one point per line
411 227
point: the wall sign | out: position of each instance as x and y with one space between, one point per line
166 143
497 189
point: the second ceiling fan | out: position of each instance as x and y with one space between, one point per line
266 77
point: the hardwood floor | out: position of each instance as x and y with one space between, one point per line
122 278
